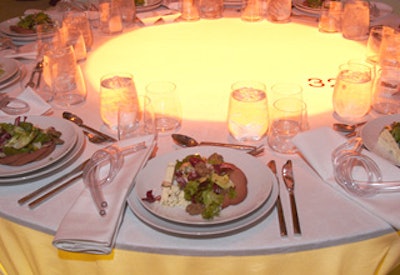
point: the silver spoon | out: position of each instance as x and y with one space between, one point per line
341 127
96 139
187 141
78 121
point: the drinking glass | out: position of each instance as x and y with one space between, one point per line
166 105
355 21
78 33
128 12
110 17
330 19
279 11
287 118
386 91
251 10
389 49
118 102
374 44
49 39
248 111
211 8
67 81
292 90
189 10
352 92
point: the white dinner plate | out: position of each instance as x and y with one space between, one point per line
5 28
149 5
65 161
371 130
21 73
69 135
193 231
9 67
259 185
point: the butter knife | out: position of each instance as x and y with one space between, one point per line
287 175
281 216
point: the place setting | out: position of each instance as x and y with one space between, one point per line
58 157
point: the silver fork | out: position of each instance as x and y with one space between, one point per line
37 70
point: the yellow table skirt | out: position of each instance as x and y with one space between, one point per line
27 251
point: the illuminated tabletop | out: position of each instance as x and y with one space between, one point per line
204 58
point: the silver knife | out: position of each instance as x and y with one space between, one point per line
76 171
287 175
281 216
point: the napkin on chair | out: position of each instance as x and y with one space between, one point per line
317 145
151 17
83 229
37 106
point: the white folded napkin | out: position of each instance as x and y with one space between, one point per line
37 106
83 229
151 17
317 146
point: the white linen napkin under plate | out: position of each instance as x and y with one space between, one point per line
317 146
83 229
37 106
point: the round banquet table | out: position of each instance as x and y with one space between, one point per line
203 58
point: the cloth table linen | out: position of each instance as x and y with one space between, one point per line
83 229
317 146
37 106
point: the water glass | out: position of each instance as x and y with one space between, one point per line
118 102
128 12
78 33
279 11
374 44
330 19
386 91
389 49
352 92
251 10
289 90
49 39
287 118
355 21
144 121
67 82
166 105
189 10
211 8
110 18
248 111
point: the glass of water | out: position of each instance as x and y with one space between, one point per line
248 111
287 121
118 101
352 92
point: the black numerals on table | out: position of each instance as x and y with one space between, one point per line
319 83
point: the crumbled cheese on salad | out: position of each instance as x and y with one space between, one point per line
173 196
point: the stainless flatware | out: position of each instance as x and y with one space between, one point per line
281 216
93 138
287 175
75 172
187 141
78 121
37 70
341 127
